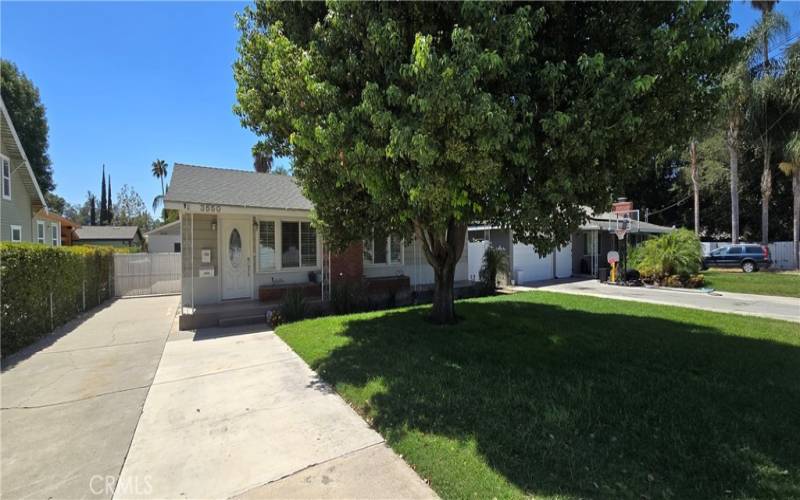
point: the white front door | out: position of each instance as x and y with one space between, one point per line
236 258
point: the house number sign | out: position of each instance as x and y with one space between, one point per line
210 207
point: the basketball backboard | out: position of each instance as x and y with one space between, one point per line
623 222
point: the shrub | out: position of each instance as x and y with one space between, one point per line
675 253
275 319
495 261
696 281
293 307
30 274
347 297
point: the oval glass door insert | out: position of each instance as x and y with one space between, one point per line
235 249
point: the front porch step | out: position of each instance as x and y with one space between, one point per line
250 319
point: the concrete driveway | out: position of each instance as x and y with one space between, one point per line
785 308
71 403
235 412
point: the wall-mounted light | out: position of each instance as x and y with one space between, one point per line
213 226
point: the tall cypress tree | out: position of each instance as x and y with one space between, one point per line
92 213
103 206
110 203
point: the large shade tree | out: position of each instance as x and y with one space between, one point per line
418 118
26 110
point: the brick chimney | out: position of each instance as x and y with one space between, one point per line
621 205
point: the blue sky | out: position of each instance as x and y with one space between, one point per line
126 83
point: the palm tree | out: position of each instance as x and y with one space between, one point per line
158 201
159 169
791 167
771 27
736 92
695 184
262 162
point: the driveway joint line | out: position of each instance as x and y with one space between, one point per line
226 370
77 349
93 396
298 471
144 402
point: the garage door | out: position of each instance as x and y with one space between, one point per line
530 266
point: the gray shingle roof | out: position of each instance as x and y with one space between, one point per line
196 184
601 221
106 232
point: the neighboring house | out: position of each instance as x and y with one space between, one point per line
584 254
166 238
115 236
21 199
57 228
248 235
591 244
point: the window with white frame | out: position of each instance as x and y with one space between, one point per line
266 245
6 177
40 231
298 245
55 234
308 245
383 249
16 233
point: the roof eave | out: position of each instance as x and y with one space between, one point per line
42 203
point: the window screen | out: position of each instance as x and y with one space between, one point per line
6 178
395 249
290 244
266 245
380 248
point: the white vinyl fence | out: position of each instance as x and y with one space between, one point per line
147 273
780 251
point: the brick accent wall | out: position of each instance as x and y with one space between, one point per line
348 265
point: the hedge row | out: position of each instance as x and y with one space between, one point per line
33 276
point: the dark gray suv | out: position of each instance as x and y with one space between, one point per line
747 256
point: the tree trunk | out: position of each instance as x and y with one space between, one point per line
766 193
733 152
442 249
695 186
796 215
163 204
444 307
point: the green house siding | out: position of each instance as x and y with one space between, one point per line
18 210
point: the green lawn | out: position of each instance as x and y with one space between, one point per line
760 283
561 396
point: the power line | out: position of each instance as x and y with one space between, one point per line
669 206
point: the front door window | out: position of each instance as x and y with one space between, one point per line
235 249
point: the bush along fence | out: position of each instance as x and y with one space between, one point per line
44 287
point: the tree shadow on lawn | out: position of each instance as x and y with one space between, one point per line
569 402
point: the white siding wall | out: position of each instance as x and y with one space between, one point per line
416 267
162 243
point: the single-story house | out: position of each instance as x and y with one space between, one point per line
166 238
115 236
248 235
596 237
20 196
585 253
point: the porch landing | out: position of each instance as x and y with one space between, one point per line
229 313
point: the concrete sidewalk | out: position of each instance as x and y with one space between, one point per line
235 412
784 308
70 403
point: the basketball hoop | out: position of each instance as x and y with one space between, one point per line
621 233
